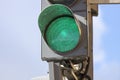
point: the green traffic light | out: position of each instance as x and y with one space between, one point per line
63 35
59 28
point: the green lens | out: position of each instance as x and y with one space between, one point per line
62 34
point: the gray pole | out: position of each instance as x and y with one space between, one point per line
55 71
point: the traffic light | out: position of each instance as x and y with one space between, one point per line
64 30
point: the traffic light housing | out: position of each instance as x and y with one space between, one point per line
64 30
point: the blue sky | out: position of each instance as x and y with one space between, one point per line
106 43
20 41
112 21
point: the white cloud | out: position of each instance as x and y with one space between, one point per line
108 71
99 29
103 69
41 78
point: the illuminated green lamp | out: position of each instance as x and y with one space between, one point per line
59 28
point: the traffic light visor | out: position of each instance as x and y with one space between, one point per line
59 28
65 2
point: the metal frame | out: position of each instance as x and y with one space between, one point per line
104 1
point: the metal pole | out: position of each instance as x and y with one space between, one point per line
55 71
